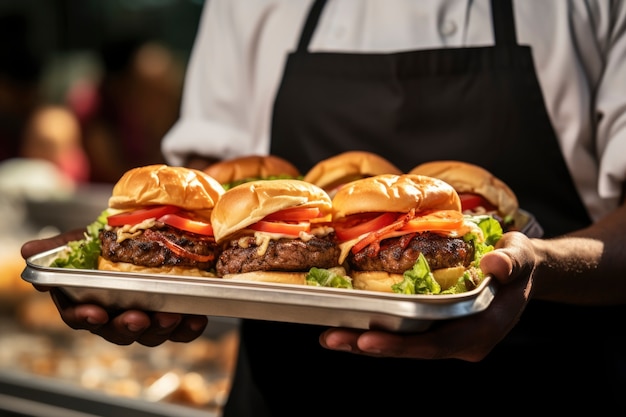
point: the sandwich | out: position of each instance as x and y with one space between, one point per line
332 173
235 171
274 231
407 234
157 221
479 190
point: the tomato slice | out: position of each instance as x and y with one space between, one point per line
137 216
434 221
470 201
359 224
187 224
295 214
292 229
439 220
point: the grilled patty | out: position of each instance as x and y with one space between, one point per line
147 250
397 255
281 255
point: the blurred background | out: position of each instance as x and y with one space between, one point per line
87 90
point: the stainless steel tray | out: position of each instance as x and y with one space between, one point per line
265 301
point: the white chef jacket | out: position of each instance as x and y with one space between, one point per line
579 49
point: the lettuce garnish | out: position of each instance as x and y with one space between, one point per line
320 277
83 253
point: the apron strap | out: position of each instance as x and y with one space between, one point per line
310 25
503 22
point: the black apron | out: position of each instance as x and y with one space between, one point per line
482 105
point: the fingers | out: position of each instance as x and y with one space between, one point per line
127 327
84 316
34 247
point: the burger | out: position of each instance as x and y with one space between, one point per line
274 231
406 234
159 221
332 173
479 190
235 171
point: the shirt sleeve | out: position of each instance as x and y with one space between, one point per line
611 109
213 113
232 78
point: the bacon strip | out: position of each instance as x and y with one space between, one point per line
377 235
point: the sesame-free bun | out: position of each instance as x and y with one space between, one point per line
383 281
394 193
251 167
380 281
278 277
250 202
106 265
470 178
348 166
160 184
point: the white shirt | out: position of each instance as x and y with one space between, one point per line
579 48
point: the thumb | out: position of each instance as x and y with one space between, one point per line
514 256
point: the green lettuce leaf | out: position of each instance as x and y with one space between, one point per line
320 277
83 253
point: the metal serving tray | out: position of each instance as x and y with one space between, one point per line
265 301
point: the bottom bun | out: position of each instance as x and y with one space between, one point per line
270 276
374 280
106 265
382 281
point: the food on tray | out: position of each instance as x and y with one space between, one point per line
480 191
333 172
275 231
407 234
393 232
235 171
158 221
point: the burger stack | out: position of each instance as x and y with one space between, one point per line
353 221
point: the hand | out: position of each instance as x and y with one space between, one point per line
468 338
122 328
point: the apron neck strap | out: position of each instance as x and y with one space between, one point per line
503 22
310 25
501 15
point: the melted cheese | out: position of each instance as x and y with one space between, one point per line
262 239
130 231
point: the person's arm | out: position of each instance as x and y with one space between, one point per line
585 268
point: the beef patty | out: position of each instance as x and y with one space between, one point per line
285 255
148 248
399 254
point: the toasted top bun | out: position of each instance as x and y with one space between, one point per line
394 193
162 184
249 202
470 178
348 166
253 166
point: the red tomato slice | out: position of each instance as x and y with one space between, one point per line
292 229
295 214
470 201
440 220
359 224
137 216
187 224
